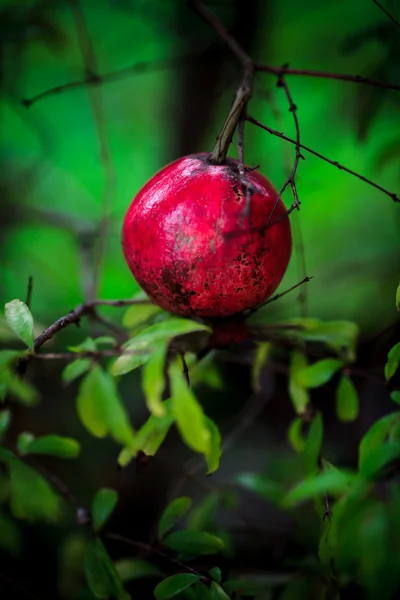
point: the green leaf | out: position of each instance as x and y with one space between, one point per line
134 355
339 336
319 373
11 383
101 575
76 369
153 380
138 314
217 593
172 514
215 573
398 298
375 436
395 396
194 543
101 409
295 434
378 458
393 361
32 497
313 443
346 400
189 415
260 358
10 535
262 486
5 420
20 319
172 586
134 568
202 516
215 449
88 345
53 445
168 329
150 436
298 393
103 505
329 482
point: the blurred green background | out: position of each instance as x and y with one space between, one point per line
62 207
52 177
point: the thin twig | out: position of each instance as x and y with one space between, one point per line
291 179
244 91
75 315
278 296
109 174
285 70
29 291
391 195
387 13
138 68
152 550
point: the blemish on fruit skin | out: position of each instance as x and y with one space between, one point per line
176 242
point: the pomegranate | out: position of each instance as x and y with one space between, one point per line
195 243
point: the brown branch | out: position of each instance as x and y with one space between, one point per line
285 70
291 179
75 315
96 101
244 91
387 13
391 195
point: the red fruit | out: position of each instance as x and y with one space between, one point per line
177 239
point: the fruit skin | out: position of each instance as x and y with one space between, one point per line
177 243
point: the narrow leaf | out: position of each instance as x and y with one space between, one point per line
53 445
172 514
329 482
295 434
298 393
103 505
214 452
346 400
215 573
313 443
101 410
393 361
168 329
139 313
153 380
319 373
193 543
395 396
398 298
261 357
134 568
20 319
262 486
188 413
101 575
174 585
76 369
375 436
5 420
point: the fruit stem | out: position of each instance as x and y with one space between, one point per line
243 95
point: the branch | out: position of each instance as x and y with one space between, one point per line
387 13
244 91
391 195
279 71
92 79
74 317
